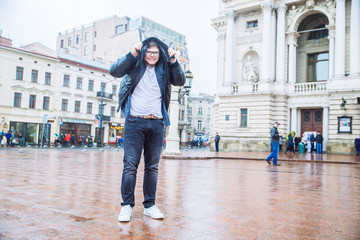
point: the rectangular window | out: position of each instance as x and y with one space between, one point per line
19 73
243 118
103 87
69 41
62 43
17 100
77 39
86 37
199 125
66 82
86 50
64 105
89 108
91 85
114 90
113 111
34 76
119 29
79 83
46 103
318 67
77 106
200 111
189 110
47 78
32 101
252 24
94 48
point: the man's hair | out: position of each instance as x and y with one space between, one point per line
152 44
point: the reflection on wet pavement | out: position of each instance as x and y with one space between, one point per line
76 195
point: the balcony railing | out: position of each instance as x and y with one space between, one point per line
313 87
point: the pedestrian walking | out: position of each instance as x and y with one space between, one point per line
357 145
312 142
8 138
290 146
2 141
67 139
72 139
217 140
319 139
275 135
150 68
297 140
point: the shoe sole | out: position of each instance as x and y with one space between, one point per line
268 161
153 217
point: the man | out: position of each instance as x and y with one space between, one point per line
275 135
357 145
144 96
217 139
319 139
8 138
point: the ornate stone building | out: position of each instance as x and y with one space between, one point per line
297 62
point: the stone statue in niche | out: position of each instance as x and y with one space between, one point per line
250 71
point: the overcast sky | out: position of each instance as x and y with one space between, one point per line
27 21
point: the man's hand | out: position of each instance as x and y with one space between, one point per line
172 53
136 47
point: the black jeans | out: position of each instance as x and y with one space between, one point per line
141 134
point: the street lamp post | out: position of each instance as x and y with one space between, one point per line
172 140
100 117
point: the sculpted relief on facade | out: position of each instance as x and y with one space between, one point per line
328 7
250 72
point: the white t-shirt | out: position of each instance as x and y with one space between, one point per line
146 98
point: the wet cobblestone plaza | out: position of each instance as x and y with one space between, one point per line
75 194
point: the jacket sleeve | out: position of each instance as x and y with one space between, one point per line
123 65
177 76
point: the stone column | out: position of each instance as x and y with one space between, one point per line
325 132
293 120
331 49
292 42
230 47
273 47
266 46
355 38
280 43
221 60
172 139
340 38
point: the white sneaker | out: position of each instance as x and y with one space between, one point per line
125 213
153 212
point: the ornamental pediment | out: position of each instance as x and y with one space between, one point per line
19 88
33 90
47 92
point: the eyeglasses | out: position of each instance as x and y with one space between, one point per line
150 53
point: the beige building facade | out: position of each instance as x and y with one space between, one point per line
296 62
199 115
45 92
28 92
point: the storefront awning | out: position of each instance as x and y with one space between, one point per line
72 120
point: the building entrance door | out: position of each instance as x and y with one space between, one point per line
311 120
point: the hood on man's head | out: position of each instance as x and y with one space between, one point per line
163 48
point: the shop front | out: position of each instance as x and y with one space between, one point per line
116 131
76 127
24 133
